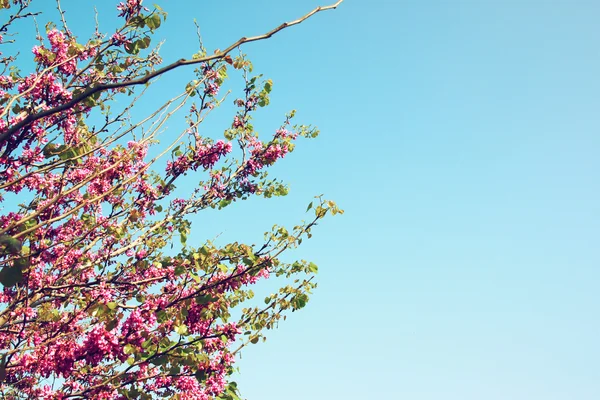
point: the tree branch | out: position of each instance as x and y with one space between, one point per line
141 81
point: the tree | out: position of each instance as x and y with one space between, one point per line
96 300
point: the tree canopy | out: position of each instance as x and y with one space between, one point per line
103 296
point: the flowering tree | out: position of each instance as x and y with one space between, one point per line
96 302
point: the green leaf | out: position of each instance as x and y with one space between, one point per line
132 48
309 206
21 263
313 268
129 349
222 73
179 270
162 316
3 368
205 299
133 393
10 245
49 26
67 153
10 276
300 301
99 311
268 86
181 329
200 375
160 360
112 325
143 43
153 21
117 69
137 21
224 203
75 48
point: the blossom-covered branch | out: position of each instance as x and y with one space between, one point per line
102 295
92 90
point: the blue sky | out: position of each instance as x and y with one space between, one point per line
461 138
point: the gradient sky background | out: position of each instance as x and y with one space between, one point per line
461 138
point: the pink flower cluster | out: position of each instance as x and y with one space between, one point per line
205 156
119 39
263 155
101 344
211 81
61 53
130 8
137 326
44 88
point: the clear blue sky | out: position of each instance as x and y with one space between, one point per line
462 139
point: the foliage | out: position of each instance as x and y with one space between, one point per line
96 301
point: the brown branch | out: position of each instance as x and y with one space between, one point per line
142 81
